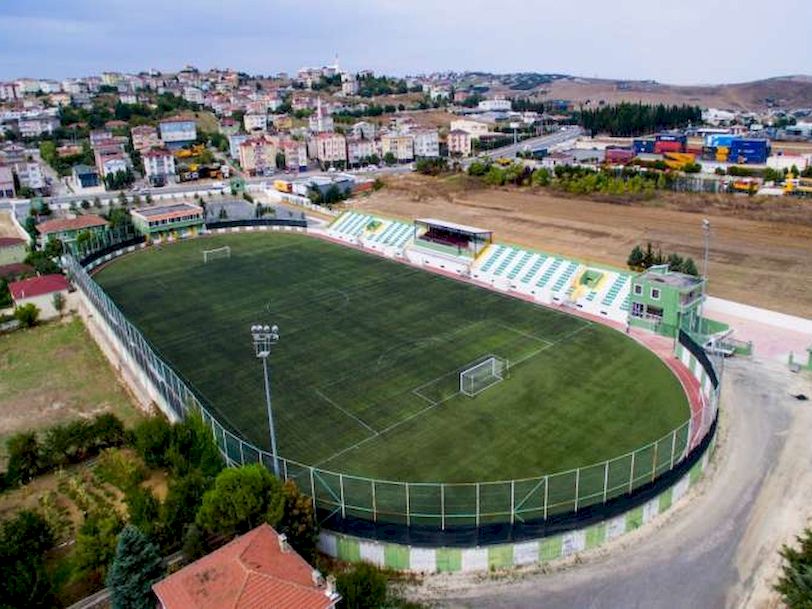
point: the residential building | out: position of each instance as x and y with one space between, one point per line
364 129
7 190
295 152
459 143
37 126
497 104
85 177
282 122
13 250
234 142
228 126
178 131
331 148
68 229
258 155
145 137
360 149
426 143
159 166
193 95
41 292
474 128
320 122
128 98
99 135
110 163
30 175
664 301
168 221
437 93
401 145
255 122
9 91
256 570
349 84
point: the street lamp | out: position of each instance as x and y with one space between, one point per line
264 338
706 227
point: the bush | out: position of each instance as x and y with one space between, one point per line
23 579
299 522
362 587
27 315
795 583
143 509
152 440
24 458
118 468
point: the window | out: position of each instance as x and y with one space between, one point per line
655 293
638 290
637 309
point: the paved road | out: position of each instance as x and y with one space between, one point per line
716 550
543 141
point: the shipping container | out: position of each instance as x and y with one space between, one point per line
644 146
618 155
672 137
720 139
668 146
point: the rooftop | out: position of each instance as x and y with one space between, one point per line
257 569
453 226
37 286
11 241
59 225
662 274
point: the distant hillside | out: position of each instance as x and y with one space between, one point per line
781 92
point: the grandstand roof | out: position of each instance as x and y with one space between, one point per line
453 226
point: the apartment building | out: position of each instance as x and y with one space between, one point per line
159 166
401 145
459 143
331 148
258 155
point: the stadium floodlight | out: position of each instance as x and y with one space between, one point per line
264 338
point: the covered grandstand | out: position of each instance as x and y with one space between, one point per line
451 238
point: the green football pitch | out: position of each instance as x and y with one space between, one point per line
365 376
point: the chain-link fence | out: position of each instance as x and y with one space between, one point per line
439 505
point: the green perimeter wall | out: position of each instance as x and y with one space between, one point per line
506 556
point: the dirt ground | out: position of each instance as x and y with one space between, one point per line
7 228
760 250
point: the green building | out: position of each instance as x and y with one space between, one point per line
664 301
67 230
176 220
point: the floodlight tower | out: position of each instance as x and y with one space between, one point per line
264 338
706 229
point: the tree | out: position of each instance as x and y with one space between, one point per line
194 546
136 566
152 439
689 267
59 302
795 583
183 499
192 447
362 587
23 579
636 258
96 544
241 499
299 522
24 458
389 158
143 509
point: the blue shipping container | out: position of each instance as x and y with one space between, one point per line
672 137
643 146
720 139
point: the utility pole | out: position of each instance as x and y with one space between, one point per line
264 338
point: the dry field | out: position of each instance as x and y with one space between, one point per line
7 228
761 250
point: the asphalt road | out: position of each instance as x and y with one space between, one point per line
715 550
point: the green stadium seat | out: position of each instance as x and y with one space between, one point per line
517 268
506 261
534 268
497 252
545 278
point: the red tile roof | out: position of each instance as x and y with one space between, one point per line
37 286
16 268
251 572
9 241
62 224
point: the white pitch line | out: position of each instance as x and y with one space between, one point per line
346 412
526 335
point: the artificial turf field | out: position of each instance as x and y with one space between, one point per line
365 375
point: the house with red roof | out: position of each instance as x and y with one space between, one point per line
258 569
41 292
12 249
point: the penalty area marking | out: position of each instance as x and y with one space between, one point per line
346 412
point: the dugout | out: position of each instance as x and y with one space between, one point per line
459 239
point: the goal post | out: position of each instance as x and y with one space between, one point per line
218 252
480 376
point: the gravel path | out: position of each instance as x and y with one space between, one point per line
718 548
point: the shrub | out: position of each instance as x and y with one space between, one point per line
152 440
118 468
362 587
24 458
27 315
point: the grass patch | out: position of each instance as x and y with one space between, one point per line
54 373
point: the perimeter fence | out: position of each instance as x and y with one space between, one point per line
424 504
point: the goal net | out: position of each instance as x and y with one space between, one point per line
479 377
220 252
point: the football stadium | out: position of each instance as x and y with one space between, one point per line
428 397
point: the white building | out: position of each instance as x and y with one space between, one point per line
497 104
474 128
401 145
363 129
30 175
193 95
255 122
360 149
331 148
37 126
426 143
41 292
714 116
159 166
9 91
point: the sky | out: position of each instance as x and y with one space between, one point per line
671 41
